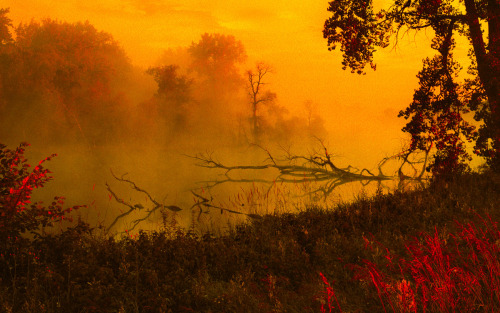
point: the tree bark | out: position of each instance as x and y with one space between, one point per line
488 64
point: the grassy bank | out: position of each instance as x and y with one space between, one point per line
435 249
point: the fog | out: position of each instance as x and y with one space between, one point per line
71 89
141 88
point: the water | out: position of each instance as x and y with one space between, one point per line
170 177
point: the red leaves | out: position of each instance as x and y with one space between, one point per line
329 296
16 187
442 272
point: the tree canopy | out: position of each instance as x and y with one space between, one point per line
171 85
436 113
216 57
5 24
69 73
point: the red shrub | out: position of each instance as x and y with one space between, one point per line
17 182
448 272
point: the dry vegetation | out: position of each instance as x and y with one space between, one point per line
434 249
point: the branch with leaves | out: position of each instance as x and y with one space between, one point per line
358 30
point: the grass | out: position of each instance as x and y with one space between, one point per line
431 250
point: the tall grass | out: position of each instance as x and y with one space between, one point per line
440 272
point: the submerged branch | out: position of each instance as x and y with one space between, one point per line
317 167
139 207
200 202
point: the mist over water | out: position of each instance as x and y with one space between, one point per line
70 89
169 176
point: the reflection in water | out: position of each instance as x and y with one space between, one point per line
171 182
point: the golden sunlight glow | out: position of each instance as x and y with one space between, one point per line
360 111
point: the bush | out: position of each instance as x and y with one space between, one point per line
20 260
17 182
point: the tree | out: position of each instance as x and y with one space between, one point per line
170 85
437 112
215 57
69 71
5 43
174 92
5 24
258 96
358 30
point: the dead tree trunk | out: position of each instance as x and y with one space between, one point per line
257 96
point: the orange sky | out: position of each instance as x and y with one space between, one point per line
360 111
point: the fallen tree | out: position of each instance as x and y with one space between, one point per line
319 167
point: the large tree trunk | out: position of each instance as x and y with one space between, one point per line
494 58
488 65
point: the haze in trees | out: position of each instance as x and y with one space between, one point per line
71 89
70 76
205 88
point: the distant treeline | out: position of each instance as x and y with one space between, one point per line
69 82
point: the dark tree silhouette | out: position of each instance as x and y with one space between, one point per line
358 30
5 24
171 85
172 96
5 44
258 96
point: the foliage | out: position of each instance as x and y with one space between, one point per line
440 102
173 95
216 56
170 84
5 45
18 215
20 219
437 112
440 272
69 71
5 24
357 30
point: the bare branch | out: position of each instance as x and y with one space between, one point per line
157 205
317 167
201 202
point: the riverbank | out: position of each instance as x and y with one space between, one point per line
435 248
